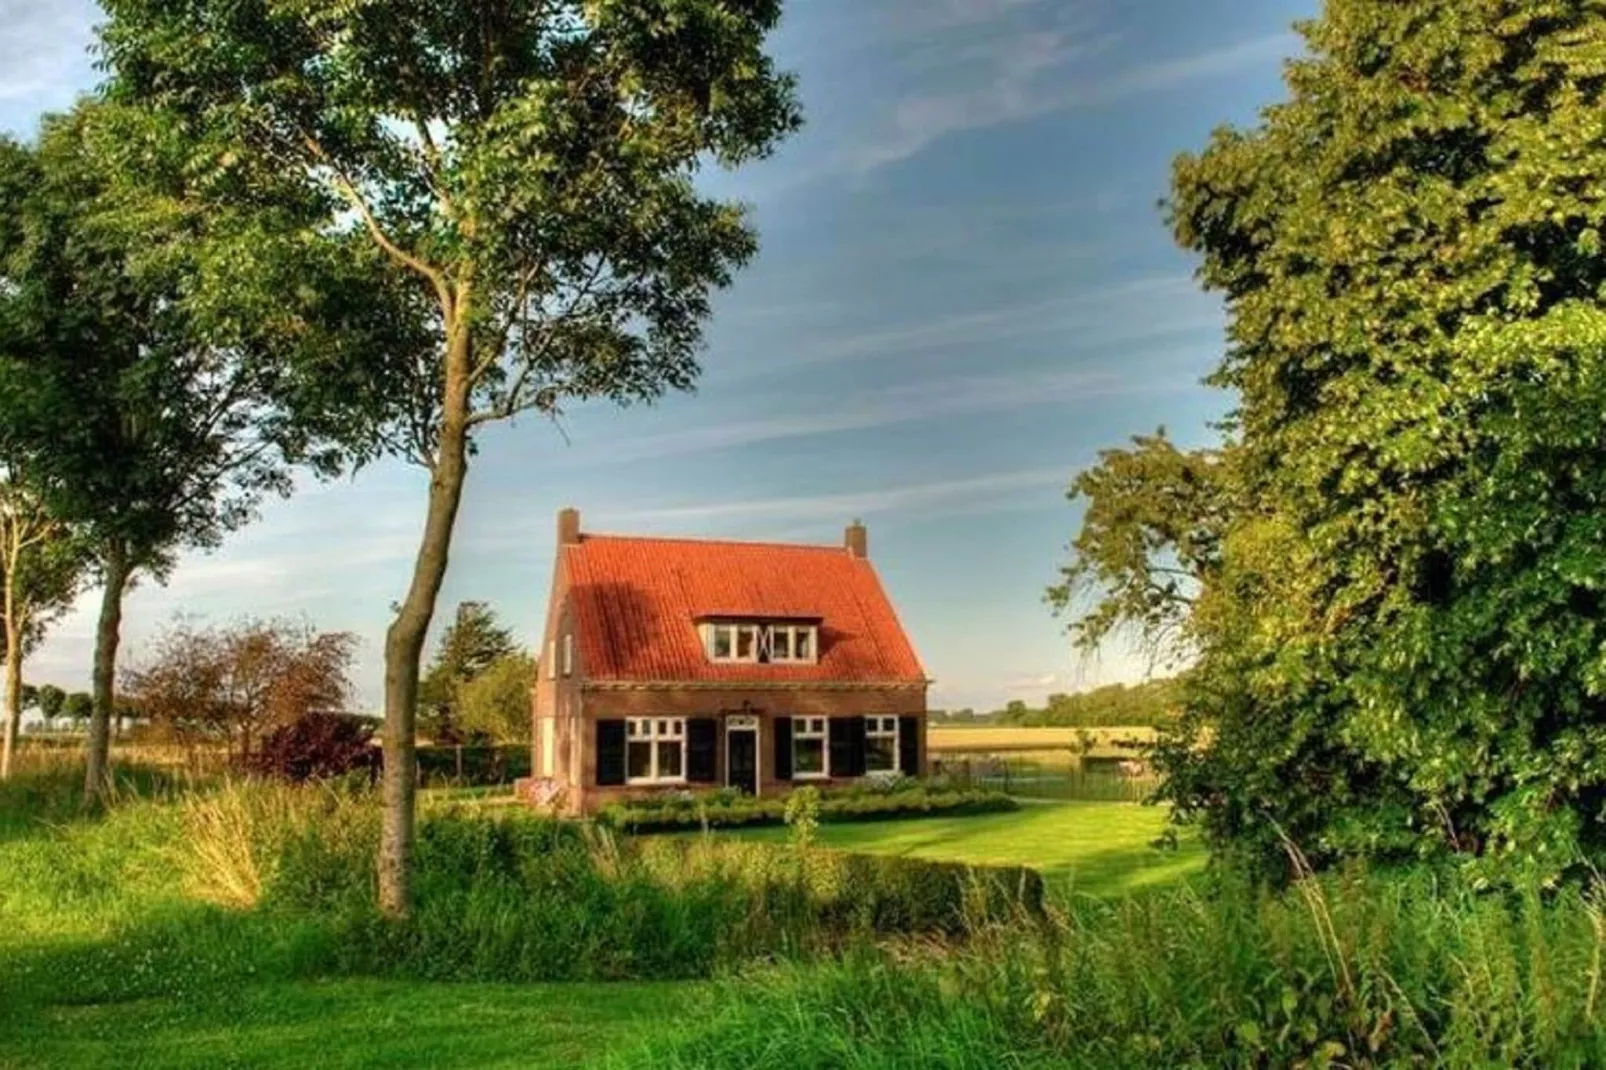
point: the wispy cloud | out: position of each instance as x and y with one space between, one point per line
1030 73
897 499
1126 310
911 403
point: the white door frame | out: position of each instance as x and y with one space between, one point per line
744 723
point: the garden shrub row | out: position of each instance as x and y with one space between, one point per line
724 809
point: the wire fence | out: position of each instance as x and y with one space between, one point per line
1085 779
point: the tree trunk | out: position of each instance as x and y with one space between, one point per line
97 767
13 689
404 641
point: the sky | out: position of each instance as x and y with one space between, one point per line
966 289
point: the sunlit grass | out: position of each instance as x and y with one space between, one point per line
1101 848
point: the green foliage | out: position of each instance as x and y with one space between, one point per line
252 880
473 643
802 816
51 700
1149 539
1381 972
803 808
495 703
1153 703
78 707
1399 626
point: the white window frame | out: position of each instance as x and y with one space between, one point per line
812 728
881 727
793 631
735 629
654 732
568 653
761 645
551 659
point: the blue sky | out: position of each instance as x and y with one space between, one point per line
966 289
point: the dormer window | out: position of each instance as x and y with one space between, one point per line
792 642
789 644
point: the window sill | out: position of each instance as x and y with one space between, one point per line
811 776
656 782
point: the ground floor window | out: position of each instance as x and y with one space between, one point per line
810 758
881 744
655 750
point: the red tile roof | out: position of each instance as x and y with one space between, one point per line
637 602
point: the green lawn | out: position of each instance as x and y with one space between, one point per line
344 1025
1101 848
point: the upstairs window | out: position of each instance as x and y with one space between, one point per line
568 653
732 642
811 758
791 644
655 750
881 744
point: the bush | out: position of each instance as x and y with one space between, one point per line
689 810
317 746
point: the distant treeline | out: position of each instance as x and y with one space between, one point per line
1154 703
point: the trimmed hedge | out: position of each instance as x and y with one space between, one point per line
725 809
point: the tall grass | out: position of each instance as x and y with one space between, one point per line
235 880
1353 971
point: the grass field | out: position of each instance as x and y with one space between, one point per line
1099 848
345 1025
116 950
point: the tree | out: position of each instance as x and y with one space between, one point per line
40 567
471 644
1401 646
496 701
528 169
79 708
236 682
1149 539
148 395
52 701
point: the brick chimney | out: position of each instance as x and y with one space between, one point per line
857 540
568 527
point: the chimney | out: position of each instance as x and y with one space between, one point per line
857 540
568 527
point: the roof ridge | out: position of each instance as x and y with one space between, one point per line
711 541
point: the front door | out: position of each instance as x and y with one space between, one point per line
741 756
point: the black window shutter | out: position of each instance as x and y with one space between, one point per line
610 753
702 750
783 748
847 746
846 735
909 745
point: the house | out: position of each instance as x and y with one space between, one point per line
671 664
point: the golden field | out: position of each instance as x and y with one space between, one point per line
1041 743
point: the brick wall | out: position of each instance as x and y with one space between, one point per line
766 705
